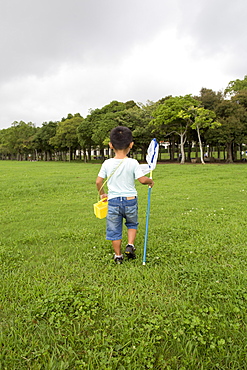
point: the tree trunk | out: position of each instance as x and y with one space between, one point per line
144 153
235 152
196 147
240 151
200 144
102 154
189 150
182 142
219 152
229 152
84 155
172 148
89 153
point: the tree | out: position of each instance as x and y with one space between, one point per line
241 98
5 147
180 113
234 87
233 119
174 117
42 139
18 140
85 133
108 117
200 119
141 117
66 137
209 99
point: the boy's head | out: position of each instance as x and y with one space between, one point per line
121 137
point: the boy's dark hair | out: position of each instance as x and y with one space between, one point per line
121 137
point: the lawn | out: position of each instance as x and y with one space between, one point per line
64 304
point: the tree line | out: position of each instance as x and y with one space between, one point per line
191 125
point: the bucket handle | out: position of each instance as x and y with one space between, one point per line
115 169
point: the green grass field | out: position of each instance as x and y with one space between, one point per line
66 305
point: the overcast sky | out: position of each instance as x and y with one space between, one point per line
69 56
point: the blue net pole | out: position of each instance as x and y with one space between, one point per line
147 224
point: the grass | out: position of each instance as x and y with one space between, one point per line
64 304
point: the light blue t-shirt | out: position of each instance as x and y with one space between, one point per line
122 182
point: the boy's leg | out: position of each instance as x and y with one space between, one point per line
118 257
116 245
131 215
130 248
114 225
131 236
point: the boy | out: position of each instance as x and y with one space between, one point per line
122 195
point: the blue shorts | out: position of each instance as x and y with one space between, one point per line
118 209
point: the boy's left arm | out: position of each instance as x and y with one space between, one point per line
99 184
146 181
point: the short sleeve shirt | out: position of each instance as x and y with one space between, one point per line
122 182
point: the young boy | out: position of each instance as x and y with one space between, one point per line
122 195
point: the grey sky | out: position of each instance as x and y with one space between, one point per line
60 57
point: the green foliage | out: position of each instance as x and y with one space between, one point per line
67 306
85 133
209 99
66 134
233 119
236 86
176 115
180 114
141 117
170 119
43 136
108 117
18 139
64 304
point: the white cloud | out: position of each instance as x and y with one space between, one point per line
67 57
165 66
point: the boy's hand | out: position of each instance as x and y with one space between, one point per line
146 181
102 196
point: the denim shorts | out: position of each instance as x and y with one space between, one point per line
118 209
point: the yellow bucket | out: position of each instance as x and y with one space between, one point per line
101 208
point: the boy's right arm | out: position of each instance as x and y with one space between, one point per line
146 181
99 183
